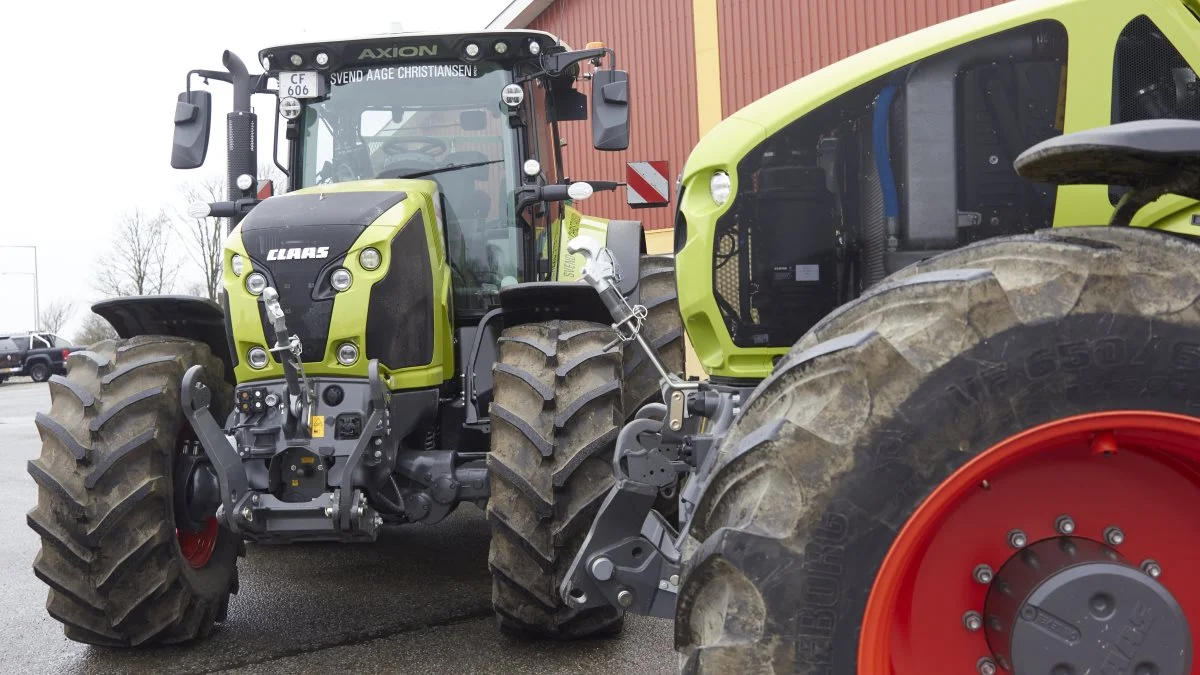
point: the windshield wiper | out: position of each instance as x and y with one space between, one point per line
451 167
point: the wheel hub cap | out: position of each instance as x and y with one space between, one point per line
1070 606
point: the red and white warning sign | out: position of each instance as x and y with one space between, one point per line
646 184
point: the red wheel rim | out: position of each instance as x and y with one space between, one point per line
1136 469
197 547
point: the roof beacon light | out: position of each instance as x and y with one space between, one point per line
297 60
534 47
472 49
322 59
500 47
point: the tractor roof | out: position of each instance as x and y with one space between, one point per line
414 47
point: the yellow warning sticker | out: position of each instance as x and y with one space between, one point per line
318 426
308 459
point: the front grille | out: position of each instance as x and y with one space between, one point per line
400 329
331 222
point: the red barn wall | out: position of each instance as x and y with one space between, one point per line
766 44
653 41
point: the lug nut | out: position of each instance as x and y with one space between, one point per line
1065 525
1114 536
625 598
254 499
983 574
986 666
1017 539
328 511
1152 568
247 513
972 621
378 454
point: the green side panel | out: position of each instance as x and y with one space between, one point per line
569 266
348 322
1093 27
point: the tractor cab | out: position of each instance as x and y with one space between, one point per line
477 114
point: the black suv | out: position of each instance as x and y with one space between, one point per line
38 355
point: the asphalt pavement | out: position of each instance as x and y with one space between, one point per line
418 600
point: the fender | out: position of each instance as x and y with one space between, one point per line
533 302
184 316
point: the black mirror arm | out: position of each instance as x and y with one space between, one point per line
555 64
207 75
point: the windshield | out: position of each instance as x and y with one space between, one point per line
440 121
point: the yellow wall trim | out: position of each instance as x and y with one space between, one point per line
708 64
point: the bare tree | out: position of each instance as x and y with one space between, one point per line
138 262
94 329
203 238
56 315
268 171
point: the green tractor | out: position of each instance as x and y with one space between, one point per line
397 334
952 420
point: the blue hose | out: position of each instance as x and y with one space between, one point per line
883 157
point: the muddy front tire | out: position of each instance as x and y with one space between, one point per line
662 329
110 552
907 398
554 425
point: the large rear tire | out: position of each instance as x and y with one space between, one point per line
119 572
555 420
663 330
923 394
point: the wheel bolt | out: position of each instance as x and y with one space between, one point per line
1114 536
1065 525
973 621
983 574
1017 539
986 666
1152 568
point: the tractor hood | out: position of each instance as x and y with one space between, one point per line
298 240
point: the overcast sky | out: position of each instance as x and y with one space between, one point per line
87 109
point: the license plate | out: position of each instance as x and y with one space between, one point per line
9 370
299 84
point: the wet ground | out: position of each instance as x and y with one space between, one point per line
416 601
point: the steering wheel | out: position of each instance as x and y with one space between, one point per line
429 145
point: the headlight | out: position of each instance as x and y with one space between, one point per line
720 186
369 259
237 265
257 358
347 354
341 279
256 283
322 59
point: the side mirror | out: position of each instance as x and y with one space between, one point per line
193 116
610 110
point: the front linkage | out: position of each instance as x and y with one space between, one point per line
631 555
282 476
